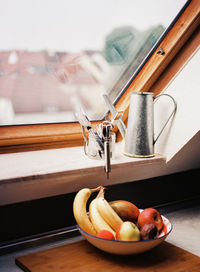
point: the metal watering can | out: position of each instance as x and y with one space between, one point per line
139 135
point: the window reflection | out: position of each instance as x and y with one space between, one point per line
99 46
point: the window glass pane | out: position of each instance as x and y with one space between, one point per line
57 55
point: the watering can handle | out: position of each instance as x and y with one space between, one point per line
173 112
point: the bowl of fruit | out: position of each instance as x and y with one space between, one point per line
118 227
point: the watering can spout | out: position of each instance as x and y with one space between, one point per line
116 115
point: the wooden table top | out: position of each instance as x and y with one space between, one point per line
83 257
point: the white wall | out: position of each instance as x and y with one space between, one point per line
180 141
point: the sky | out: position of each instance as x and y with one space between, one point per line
76 25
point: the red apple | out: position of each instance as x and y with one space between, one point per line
150 215
128 231
106 234
148 231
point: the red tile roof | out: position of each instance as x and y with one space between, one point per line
33 81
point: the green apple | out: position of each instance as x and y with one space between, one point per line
128 231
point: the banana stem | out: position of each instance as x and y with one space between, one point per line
96 189
101 192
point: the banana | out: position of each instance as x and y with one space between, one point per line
107 212
80 211
97 220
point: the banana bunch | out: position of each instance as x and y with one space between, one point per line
119 219
101 215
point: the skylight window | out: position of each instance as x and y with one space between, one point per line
58 55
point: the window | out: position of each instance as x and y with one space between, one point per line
119 57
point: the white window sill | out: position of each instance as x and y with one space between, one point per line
30 175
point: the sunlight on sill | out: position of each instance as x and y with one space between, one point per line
44 162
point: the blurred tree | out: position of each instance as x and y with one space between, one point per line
118 44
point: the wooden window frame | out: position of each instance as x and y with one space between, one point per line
179 43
